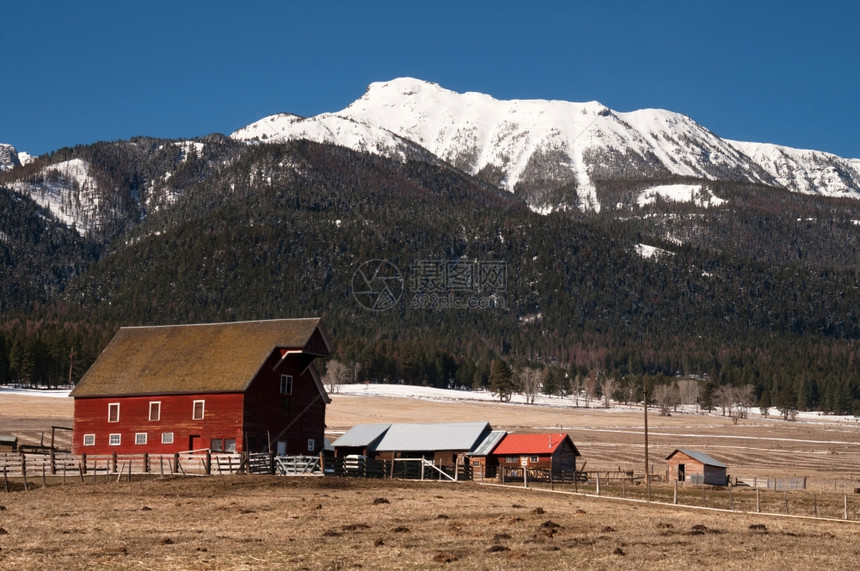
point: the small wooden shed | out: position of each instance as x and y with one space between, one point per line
696 467
8 443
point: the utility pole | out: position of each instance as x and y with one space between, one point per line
647 466
71 363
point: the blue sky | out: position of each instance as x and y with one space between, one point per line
78 72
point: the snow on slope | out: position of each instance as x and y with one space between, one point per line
329 128
693 193
68 191
806 171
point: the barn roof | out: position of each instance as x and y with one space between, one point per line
433 437
363 435
211 357
699 457
540 443
486 446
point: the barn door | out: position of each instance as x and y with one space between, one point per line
681 473
282 447
194 442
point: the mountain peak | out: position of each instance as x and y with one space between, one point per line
553 152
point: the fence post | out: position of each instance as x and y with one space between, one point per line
758 500
175 463
44 479
146 462
53 462
208 462
113 462
785 497
272 463
675 496
598 483
83 463
815 505
81 472
24 471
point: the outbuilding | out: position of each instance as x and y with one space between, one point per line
547 452
227 387
696 467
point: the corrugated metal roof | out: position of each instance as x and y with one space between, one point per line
433 437
363 435
699 457
540 443
486 446
211 357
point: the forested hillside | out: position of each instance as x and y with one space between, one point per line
759 291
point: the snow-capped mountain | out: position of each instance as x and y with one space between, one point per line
537 146
8 157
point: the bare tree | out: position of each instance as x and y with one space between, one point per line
724 397
666 396
607 387
590 388
530 382
689 392
576 386
336 374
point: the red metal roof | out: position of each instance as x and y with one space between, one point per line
542 443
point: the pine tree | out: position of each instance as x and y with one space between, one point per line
502 380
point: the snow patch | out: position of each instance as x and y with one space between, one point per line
646 251
693 193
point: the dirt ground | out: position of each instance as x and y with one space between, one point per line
269 522
260 522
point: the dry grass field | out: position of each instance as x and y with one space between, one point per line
263 522
259 522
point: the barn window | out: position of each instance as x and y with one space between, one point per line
155 410
113 412
167 438
215 445
140 438
286 384
229 445
199 406
312 445
512 459
476 462
533 459
89 439
115 439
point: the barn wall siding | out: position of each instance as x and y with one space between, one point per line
221 419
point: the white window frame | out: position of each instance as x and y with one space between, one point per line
156 404
286 385
534 459
167 438
140 439
113 406
89 439
202 410
115 440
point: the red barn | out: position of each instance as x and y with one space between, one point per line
230 387
554 452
